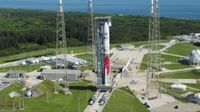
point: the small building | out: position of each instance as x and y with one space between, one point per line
61 74
194 57
72 62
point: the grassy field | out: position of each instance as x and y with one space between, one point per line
168 90
160 46
168 58
165 58
140 43
40 53
143 65
183 49
197 86
123 100
5 101
77 102
183 75
88 57
176 66
176 93
24 68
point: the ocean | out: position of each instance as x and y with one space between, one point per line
189 9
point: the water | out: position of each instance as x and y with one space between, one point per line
168 8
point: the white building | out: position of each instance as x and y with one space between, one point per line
60 74
194 57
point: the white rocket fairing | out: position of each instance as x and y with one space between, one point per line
106 44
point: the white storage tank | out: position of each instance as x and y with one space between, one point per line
179 87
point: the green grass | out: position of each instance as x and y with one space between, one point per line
197 86
183 49
172 91
26 55
165 58
25 68
77 102
176 66
88 57
123 100
194 74
168 58
39 53
176 93
160 46
143 65
140 43
5 101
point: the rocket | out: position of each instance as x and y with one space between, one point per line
106 44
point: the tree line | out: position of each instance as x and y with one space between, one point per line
27 30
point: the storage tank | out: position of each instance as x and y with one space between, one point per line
179 86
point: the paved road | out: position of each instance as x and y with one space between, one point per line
10 64
186 81
95 107
183 107
174 71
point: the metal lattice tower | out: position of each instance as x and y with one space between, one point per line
153 59
61 46
91 33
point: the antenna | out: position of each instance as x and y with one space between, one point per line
153 58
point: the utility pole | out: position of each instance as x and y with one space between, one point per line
91 34
153 59
61 46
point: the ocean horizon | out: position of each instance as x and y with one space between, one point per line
168 8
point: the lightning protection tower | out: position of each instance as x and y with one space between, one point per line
61 47
91 33
153 59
